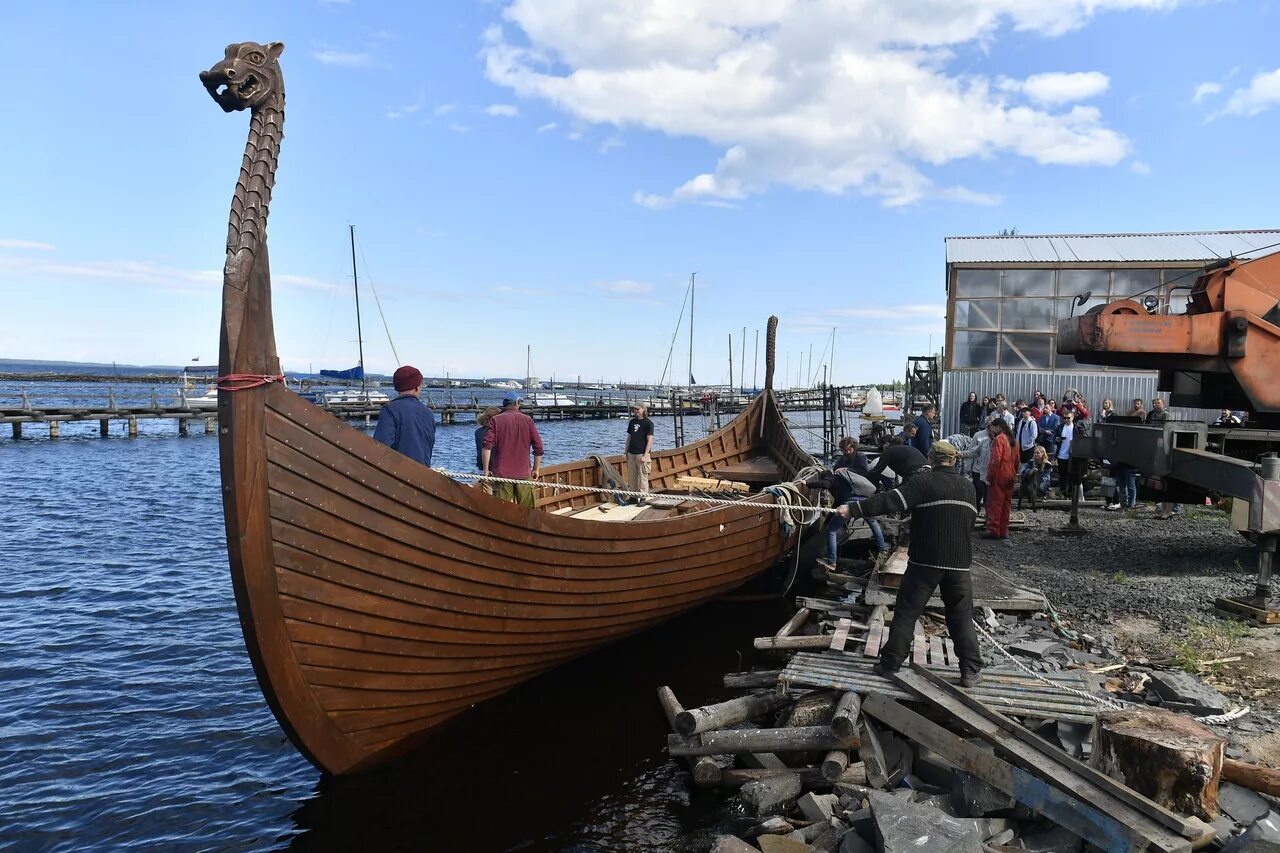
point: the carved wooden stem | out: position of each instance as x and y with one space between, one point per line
248 344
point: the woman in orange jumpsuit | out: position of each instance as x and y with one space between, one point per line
1001 474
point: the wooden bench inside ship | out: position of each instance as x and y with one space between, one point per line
734 481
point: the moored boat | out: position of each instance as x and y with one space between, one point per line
379 598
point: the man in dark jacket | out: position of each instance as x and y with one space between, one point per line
845 485
900 458
923 439
405 424
943 506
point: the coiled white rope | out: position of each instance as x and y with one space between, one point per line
785 505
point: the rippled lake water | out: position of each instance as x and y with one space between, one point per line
130 717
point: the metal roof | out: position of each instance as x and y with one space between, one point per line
1111 248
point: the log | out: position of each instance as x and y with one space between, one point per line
810 777
1164 756
807 641
704 769
1252 776
732 742
845 720
747 680
724 714
793 624
834 764
706 484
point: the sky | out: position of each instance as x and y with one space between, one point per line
543 176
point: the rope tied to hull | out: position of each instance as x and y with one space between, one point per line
245 381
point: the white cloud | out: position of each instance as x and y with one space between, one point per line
1140 167
609 144
1262 93
1064 88
444 109
141 273
1204 90
831 95
913 318
459 128
407 110
33 245
344 58
502 110
551 125
625 287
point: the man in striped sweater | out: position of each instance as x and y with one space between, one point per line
943 506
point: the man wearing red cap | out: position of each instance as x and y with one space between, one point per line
405 424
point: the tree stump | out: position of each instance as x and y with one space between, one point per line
1164 756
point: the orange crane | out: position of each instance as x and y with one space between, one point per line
1222 353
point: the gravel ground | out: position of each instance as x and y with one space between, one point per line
1133 574
1128 564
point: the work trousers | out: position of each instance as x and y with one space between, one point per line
980 488
1126 485
999 497
638 472
918 584
835 524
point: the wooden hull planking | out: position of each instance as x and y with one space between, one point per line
380 598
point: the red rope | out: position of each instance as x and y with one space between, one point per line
245 381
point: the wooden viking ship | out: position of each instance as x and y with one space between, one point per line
379 598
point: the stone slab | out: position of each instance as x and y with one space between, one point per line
731 844
771 796
818 807
1244 806
1037 648
908 827
1262 837
1185 689
783 844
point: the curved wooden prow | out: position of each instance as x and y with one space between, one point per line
770 352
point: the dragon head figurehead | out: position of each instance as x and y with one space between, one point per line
248 76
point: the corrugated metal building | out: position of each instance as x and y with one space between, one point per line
1006 295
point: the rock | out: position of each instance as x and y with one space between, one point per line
853 843
1052 839
818 807
1243 805
775 826
1036 648
941 802
933 769
1223 828
731 844
972 797
1262 837
1001 838
1073 737
903 826
771 796
783 844
1176 686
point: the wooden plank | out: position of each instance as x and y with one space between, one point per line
1189 828
747 680
1059 770
919 645
875 631
1090 823
805 641
840 636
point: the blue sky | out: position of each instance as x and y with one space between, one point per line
547 173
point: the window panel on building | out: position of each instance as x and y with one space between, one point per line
977 283
1180 277
1029 314
1027 282
1067 308
1134 282
1025 352
974 349
1076 282
977 314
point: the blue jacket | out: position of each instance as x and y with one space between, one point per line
923 439
407 425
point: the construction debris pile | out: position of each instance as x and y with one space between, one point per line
1062 747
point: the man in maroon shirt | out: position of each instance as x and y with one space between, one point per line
505 452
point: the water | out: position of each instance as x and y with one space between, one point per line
130 716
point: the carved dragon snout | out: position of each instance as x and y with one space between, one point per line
247 77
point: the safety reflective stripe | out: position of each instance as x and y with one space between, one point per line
932 566
964 504
901 499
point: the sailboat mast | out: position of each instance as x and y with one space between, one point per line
528 367
742 362
731 362
692 279
359 332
